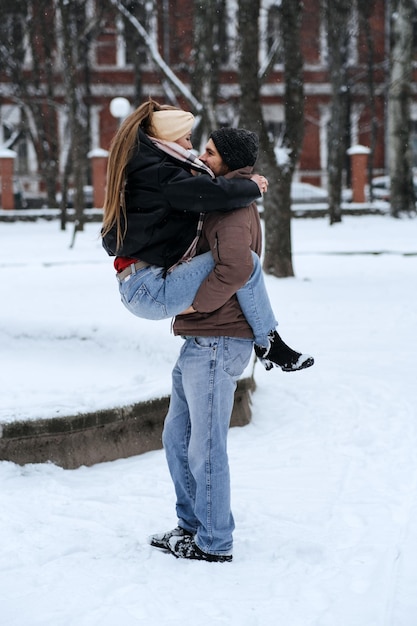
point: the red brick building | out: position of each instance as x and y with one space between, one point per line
113 75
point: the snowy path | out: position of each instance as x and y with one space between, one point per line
324 478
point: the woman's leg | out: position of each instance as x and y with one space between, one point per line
183 283
269 347
149 294
254 302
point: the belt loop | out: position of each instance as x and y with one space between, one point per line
133 268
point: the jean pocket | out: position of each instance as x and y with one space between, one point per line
141 303
206 342
237 353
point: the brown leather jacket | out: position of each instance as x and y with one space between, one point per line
230 237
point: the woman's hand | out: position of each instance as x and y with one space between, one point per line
261 181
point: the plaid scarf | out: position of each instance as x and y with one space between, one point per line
181 154
185 156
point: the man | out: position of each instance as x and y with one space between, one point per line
217 348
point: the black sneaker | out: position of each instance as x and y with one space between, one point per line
281 355
186 548
161 540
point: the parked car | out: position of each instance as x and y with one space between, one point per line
381 187
305 194
20 201
302 193
88 197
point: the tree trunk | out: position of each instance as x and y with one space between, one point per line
366 9
209 24
399 98
291 14
337 14
74 51
46 118
135 48
277 201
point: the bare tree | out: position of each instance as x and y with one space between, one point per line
28 28
366 9
399 99
72 24
277 202
337 14
136 50
76 32
210 49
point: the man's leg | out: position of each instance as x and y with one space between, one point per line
210 367
175 439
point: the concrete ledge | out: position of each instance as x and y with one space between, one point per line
299 210
106 435
33 215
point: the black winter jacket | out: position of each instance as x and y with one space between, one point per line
163 203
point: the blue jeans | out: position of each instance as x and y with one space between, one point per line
195 436
151 295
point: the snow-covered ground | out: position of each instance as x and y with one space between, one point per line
324 479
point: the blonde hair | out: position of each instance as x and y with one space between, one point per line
122 148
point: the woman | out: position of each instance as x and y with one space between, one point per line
153 214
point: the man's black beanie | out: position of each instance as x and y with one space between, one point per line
237 147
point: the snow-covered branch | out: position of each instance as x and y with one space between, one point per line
267 64
154 52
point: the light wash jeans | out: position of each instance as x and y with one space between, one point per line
195 436
151 295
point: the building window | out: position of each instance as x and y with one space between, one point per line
275 131
273 34
221 34
351 42
13 136
229 55
135 50
119 43
106 47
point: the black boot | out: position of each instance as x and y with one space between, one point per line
281 355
